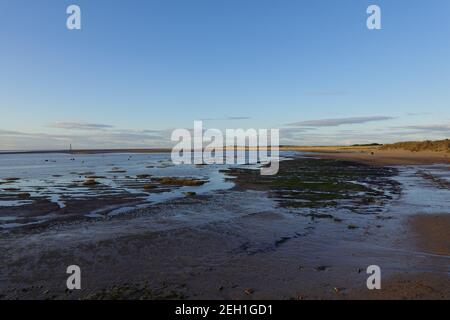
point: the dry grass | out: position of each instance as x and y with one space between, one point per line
416 146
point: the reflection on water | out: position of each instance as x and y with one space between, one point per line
55 175
423 193
60 178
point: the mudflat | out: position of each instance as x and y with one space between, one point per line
309 232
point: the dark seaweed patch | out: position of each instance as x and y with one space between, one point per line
321 183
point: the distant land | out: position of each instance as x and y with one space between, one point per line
400 153
91 151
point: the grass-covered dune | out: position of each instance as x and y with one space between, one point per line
416 146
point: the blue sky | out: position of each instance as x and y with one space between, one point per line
140 68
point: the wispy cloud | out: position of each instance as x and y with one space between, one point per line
226 118
338 121
340 137
309 134
12 140
429 127
238 118
11 133
417 114
80 126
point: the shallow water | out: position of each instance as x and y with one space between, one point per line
420 195
52 176
59 178
52 173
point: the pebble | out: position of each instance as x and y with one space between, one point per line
249 291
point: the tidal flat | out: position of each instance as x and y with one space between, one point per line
141 228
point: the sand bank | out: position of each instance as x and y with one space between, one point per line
375 156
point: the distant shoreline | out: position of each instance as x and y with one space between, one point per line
373 155
89 151
154 150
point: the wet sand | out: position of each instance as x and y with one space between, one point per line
432 233
259 240
429 234
409 286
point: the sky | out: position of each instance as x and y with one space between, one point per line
139 69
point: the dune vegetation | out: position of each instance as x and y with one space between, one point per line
416 146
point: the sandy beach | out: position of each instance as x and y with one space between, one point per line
375 156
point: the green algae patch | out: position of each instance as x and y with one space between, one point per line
90 183
320 183
187 182
148 187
